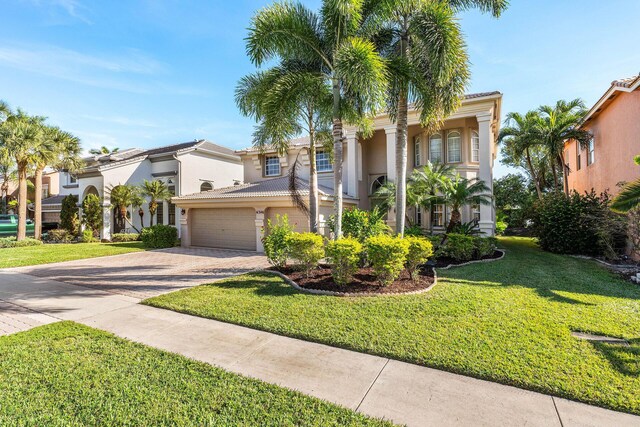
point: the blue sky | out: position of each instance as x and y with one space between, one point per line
146 73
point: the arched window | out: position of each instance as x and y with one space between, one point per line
475 146
206 186
377 183
454 152
435 148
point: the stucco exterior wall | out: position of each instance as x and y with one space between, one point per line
197 168
616 133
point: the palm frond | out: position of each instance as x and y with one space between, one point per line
628 198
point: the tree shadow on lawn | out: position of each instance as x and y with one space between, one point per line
261 284
624 359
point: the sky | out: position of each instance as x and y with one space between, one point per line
147 73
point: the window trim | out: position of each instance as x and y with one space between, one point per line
435 211
265 168
475 135
475 211
431 138
418 216
417 150
206 183
459 146
591 152
373 183
328 158
578 156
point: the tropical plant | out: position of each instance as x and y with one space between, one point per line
122 197
428 65
156 191
328 46
103 151
361 224
629 197
426 185
69 214
514 197
459 192
275 241
92 214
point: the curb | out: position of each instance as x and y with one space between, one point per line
476 261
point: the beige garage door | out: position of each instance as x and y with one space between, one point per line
224 228
296 217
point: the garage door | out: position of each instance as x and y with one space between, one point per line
297 218
224 228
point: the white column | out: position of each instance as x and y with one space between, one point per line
391 152
487 222
352 165
322 226
260 229
185 236
106 220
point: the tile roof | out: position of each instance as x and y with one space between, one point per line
53 200
267 188
481 94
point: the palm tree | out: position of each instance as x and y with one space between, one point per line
103 151
428 182
629 197
137 202
331 47
123 196
286 100
560 123
428 65
459 192
156 191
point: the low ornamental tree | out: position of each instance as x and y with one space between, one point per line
69 214
92 214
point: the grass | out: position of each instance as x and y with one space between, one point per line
48 253
72 375
508 321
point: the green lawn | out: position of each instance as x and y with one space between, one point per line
508 321
45 254
72 375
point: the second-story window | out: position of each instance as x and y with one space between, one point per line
475 146
323 162
417 151
454 151
206 186
271 166
71 179
592 152
435 148
578 156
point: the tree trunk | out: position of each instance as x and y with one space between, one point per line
141 213
533 174
401 163
38 203
313 178
555 175
565 173
22 202
153 207
456 219
337 160
4 189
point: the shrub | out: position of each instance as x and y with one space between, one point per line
11 242
88 237
344 255
276 246
467 228
69 214
413 230
387 256
420 249
125 237
501 226
579 224
92 215
60 235
457 246
360 224
159 236
307 249
484 246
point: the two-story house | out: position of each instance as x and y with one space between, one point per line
607 161
235 217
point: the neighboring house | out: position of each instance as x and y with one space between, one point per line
235 217
50 187
185 168
608 160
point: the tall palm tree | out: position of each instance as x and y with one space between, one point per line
522 138
459 192
629 197
122 197
156 191
330 44
286 100
20 136
103 151
428 183
428 66
560 123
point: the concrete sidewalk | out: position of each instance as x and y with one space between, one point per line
402 392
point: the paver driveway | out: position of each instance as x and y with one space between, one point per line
145 274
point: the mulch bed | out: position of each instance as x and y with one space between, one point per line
445 261
363 282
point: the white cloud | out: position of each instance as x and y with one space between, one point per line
72 8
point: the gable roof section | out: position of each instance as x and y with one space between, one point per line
628 84
268 188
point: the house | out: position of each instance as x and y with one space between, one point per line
607 162
186 168
50 189
235 217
